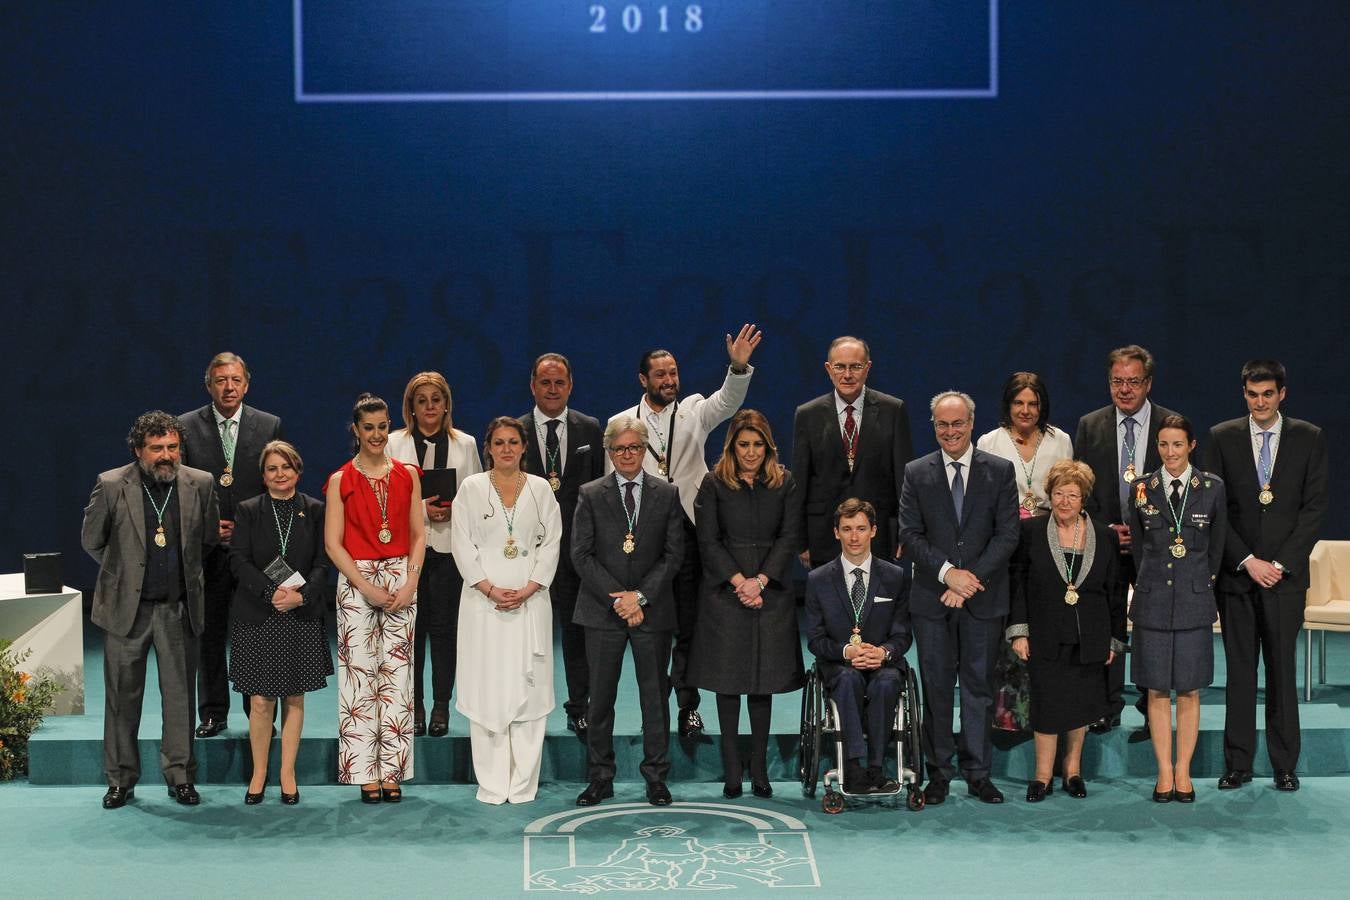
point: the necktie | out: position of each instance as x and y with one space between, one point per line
227 442
551 447
1176 493
958 491
628 505
850 431
1263 476
1126 458
857 595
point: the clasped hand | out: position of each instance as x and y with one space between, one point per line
627 607
866 656
1263 573
389 601
285 599
749 593
508 599
962 582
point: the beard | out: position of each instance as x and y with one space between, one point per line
657 399
162 472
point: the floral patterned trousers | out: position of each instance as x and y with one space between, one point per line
375 683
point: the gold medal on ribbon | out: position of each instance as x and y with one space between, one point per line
554 482
856 639
662 468
851 462
1178 549
1071 596
1266 497
629 545
385 534
510 551
226 478
160 540
1029 502
1130 475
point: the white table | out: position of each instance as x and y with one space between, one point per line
51 625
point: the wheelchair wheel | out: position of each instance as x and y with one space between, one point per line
808 750
914 710
832 803
914 799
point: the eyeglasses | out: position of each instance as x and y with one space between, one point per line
626 449
958 425
1065 495
1132 382
851 368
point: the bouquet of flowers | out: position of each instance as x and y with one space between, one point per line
24 699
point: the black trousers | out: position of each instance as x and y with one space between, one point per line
686 618
437 625
562 593
1260 623
958 643
213 677
866 702
651 656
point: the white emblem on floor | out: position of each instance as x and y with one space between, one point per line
702 847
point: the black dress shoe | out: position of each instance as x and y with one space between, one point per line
856 780
1184 796
935 792
290 799
1234 779
985 790
252 799
761 789
1039 790
117 797
1162 796
881 784
732 789
691 723
658 794
185 794
1104 724
440 721
213 727
1074 787
595 792
419 728
1286 780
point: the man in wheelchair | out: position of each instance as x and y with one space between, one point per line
857 625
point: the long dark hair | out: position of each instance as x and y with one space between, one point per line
1016 384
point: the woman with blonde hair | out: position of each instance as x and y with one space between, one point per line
430 441
747 640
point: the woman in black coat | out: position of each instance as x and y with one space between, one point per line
1067 621
746 641
279 647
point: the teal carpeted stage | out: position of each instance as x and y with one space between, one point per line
440 842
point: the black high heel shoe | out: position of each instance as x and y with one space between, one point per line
252 799
372 796
1039 790
1162 796
732 789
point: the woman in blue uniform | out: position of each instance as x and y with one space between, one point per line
1177 528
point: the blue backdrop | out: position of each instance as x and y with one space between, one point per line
461 185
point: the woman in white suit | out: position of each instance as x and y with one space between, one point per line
430 440
506 529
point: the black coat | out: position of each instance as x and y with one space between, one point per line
256 544
202 450
747 530
1038 595
585 462
1095 444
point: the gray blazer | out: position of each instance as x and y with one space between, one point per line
114 535
598 530
1172 594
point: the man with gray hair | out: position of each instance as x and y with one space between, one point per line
959 524
627 543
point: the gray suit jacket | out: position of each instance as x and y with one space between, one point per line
983 543
114 535
598 530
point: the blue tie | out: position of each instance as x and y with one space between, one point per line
1127 457
1264 474
958 491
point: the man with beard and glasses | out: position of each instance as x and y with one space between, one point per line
677 430
148 525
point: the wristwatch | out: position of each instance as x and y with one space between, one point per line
642 599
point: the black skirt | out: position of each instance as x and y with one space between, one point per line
1065 693
281 657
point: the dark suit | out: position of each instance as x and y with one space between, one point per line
202 449
114 533
1257 621
884 623
585 461
255 545
965 638
820 465
1095 444
598 529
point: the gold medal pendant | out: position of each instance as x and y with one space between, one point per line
1029 502
226 478
1266 497
1071 596
160 540
1130 474
385 534
856 639
1178 549
628 543
662 468
510 551
554 482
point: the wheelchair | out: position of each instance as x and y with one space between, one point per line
820 731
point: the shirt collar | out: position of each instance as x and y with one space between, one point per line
1140 415
236 418
618 476
857 403
964 459
540 417
865 565
1168 477
1275 429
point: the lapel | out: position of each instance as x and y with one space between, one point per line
975 468
574 429
215 451
871 422
536 457
614 498
1286 449
839 581
248 424
1151 458
939 465
187 509
131 496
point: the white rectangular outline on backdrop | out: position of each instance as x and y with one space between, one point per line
982 93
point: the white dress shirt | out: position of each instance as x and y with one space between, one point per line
541 421
1276 431
866 567
1055 445
841 414
694 417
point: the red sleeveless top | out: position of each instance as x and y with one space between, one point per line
361 511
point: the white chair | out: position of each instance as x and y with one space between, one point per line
1327 607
